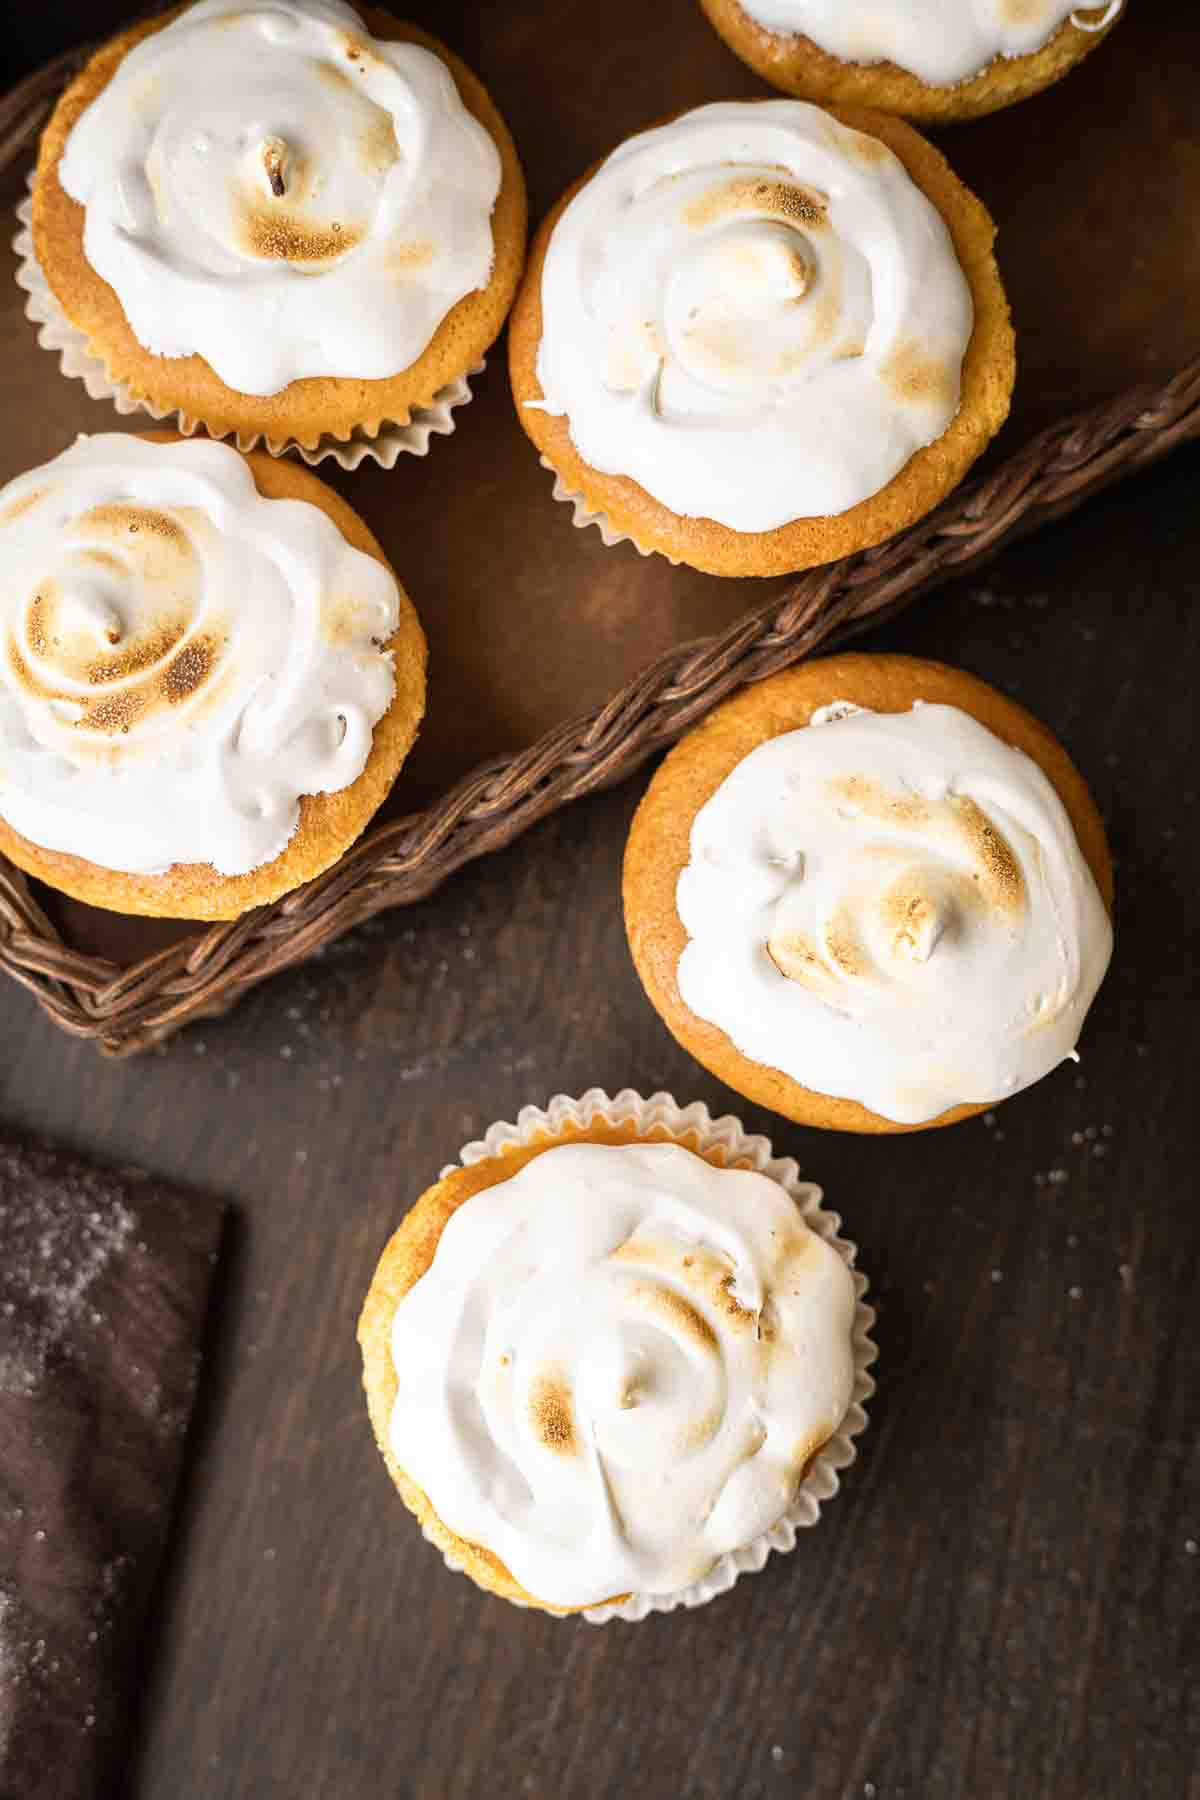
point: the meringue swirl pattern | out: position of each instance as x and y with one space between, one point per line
755 313
268 186
180 658
619 1365
892 908
939 44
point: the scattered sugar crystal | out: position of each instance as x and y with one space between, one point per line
10 1661
54 1254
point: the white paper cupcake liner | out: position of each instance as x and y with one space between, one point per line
584 516
695 1126
56 333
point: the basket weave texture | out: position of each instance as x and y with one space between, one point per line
126 1009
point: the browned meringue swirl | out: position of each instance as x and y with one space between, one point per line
116 634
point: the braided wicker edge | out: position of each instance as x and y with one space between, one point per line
126 1010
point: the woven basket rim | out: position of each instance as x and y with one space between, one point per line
125 1008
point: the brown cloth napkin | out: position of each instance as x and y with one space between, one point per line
104 1281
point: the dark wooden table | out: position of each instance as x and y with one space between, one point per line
1004 1599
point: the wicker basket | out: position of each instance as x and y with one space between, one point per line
125 1009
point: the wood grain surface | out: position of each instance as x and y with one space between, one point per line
1005 1598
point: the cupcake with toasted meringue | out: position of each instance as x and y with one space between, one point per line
762 336
210 676
616 1357
921 58
285 222
872 894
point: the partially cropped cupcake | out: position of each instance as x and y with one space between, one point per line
762 336
872 894
281 221
617 1357
210 676
923 58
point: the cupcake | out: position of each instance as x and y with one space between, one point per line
210 676
872 894
924 58
616 1357
266 219
761 336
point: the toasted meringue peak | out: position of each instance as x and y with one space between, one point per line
755 313
252 175
892 908
181 658
618 1365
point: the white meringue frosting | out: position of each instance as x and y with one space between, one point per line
755 313
940 41
182 659
268 186
892 908
618 1366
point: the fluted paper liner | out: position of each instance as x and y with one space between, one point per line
695 1127
584 516
56 333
